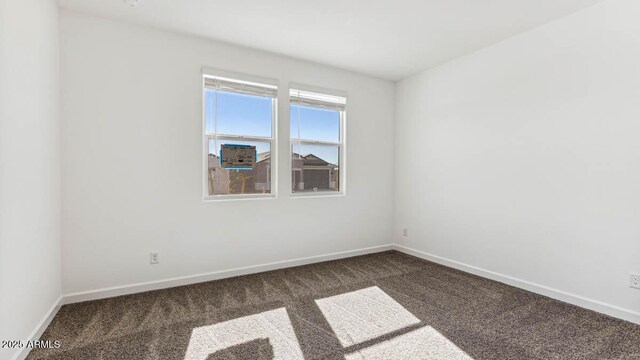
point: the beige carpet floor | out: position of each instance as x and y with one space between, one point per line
381 306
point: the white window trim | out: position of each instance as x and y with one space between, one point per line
342 146
273 140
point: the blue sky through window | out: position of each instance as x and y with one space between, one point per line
315 123
237 114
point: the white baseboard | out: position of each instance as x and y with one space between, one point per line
595 305
598 306
40 328
216 275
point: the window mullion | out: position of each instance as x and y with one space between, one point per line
316 142
243 137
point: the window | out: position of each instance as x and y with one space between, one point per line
317 142
238 113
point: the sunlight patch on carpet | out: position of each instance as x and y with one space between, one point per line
273 325
422 343
365 314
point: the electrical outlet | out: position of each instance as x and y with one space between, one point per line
154 258
405 232
635 281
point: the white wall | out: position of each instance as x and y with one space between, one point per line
29 166
524 158
132 172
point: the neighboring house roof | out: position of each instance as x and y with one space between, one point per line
312 160
263 156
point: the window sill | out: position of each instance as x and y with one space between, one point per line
219 198
317 194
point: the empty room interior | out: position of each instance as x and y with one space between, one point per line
337 179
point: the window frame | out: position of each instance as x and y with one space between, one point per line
341 144
273 140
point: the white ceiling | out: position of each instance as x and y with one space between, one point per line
390 39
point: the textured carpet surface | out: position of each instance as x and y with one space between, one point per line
381 306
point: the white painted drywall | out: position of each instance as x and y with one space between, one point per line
29 166
385 38
524 158
132 171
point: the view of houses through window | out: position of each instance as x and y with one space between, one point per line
315 125
241 113
254 181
